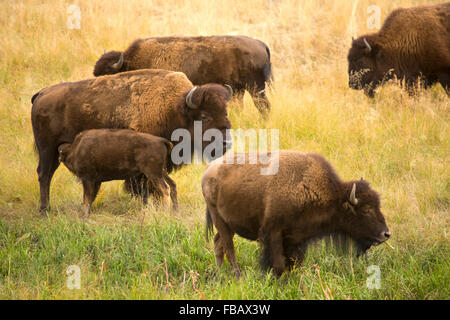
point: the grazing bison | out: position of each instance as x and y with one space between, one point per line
149 101
304 200
242 62
413 44
100 155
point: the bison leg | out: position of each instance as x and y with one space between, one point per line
173 191
238 98
260 100
161 190
48 163
294 254
272 250
444 80
225 241
218 250
90 190
137 186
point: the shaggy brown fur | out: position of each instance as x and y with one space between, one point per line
303 200
100 155
150 101
413 44
242 62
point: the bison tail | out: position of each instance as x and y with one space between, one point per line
209 223
268 75
35 96
169 164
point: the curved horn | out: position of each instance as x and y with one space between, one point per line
369 48
118 65
189 98
230 90
353 199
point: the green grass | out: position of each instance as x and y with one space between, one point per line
165 259
401 144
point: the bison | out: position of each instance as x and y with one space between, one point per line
100 155
149 101
413 45
242 62
304 200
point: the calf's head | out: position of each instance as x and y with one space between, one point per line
363 220
208 104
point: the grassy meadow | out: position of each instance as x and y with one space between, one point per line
400 143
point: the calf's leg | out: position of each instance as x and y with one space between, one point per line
173 191
90 190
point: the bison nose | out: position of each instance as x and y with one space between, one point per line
387 234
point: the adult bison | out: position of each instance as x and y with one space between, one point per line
413 44
305 199
149 101
242 62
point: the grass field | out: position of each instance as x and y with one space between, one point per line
400 143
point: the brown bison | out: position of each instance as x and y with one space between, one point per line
304 200
100 155
413 45
242 62
149 101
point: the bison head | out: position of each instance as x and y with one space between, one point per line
109 63
364 221
208 104
365 65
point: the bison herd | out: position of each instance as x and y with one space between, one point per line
118 126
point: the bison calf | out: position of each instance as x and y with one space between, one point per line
304 200
102 155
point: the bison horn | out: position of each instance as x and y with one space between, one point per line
230 90
118 65
369 48
189 98
353 199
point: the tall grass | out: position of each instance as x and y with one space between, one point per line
397 142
